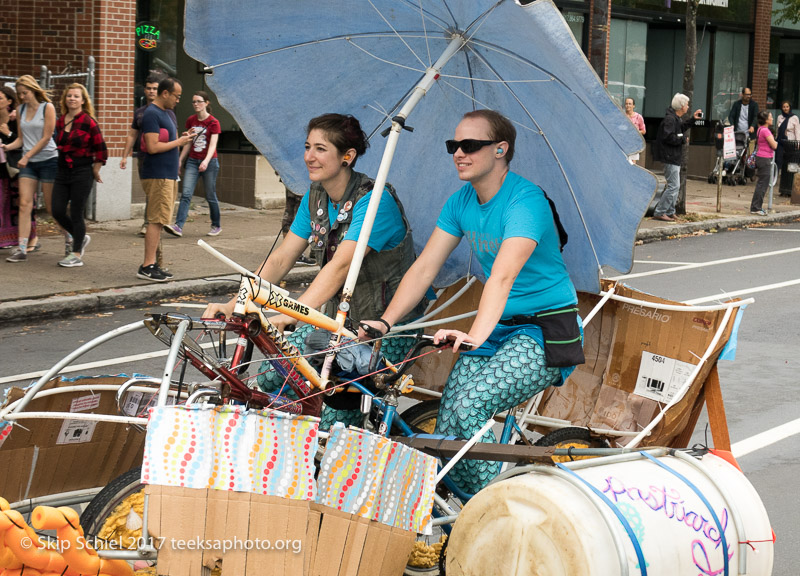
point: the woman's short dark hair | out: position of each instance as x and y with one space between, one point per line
343 131
11 95
500 129
789 103
204 96
631 99
762 117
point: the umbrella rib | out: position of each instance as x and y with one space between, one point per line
482 18
347 37
379 59
555 156
425 30
432 17
398 35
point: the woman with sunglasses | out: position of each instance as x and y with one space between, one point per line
202 162
513 231
329 220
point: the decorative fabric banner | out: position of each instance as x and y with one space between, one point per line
373 477
231 448
5 430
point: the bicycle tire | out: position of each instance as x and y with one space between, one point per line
101 507
421 416
572 437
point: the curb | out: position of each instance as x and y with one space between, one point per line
717 224
130 296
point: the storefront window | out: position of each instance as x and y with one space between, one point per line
575 21
627 60
731 62
740 11
157 41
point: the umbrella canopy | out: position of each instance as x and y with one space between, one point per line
278 64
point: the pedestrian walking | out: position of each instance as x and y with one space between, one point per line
160 172
9 176
668 149
81 153
764 158
201 160
788 138
38 165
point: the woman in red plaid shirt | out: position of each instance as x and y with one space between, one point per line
81 153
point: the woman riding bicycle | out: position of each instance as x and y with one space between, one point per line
512 230
329 219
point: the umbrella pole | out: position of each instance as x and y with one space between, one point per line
398 122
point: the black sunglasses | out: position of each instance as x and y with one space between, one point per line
468 145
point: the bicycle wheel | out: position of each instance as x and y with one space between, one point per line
105 517
422 416
571 438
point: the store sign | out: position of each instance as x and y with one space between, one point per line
728 143
147 36
717 3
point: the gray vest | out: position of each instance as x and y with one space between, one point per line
380 272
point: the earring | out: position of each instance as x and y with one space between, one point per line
499 150
345 164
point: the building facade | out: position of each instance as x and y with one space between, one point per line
636 47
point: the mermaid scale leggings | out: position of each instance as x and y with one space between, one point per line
394 349
481 386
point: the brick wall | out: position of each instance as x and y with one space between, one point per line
62 34
763 27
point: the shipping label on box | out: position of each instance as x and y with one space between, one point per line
85 403
660 378
76 432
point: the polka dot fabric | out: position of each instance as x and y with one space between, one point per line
230 448
5 430
372 477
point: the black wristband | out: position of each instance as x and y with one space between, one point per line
385 323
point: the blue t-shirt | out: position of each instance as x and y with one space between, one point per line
163 166
518 210
387 232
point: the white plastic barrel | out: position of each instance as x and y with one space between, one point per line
548 522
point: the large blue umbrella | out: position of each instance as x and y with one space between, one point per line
276 64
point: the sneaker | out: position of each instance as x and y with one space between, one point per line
17 256
71 261
758 212
215 230
305 261
86 240
152 273
166 273
174 229
143 231
32 249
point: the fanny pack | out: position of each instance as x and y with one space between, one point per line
563 343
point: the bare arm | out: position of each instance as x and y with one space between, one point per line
273 270
130 140
212 149
771 141
513 254
419 277
156 147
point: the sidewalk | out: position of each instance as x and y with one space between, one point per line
40 288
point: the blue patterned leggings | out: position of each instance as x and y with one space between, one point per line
481 386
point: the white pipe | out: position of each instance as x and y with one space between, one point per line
88 388
446 304
421 325
33 390
75 416
241 269
679 394
431 75
172 357
472 441
599 305
681 307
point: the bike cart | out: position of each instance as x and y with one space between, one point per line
619 396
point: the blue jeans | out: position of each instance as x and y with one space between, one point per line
209 177
666 205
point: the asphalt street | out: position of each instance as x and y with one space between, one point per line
758 387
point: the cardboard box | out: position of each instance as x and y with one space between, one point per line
634 356
42 457
267 536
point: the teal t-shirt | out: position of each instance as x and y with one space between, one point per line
518 210
387 232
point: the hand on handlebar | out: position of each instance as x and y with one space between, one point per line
458 338
213 309
375 329
282 322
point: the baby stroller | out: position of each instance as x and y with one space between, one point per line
734 170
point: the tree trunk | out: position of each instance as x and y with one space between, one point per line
688 89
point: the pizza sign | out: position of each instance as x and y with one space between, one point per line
147 36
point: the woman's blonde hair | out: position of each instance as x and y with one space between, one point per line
29 82
87 101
